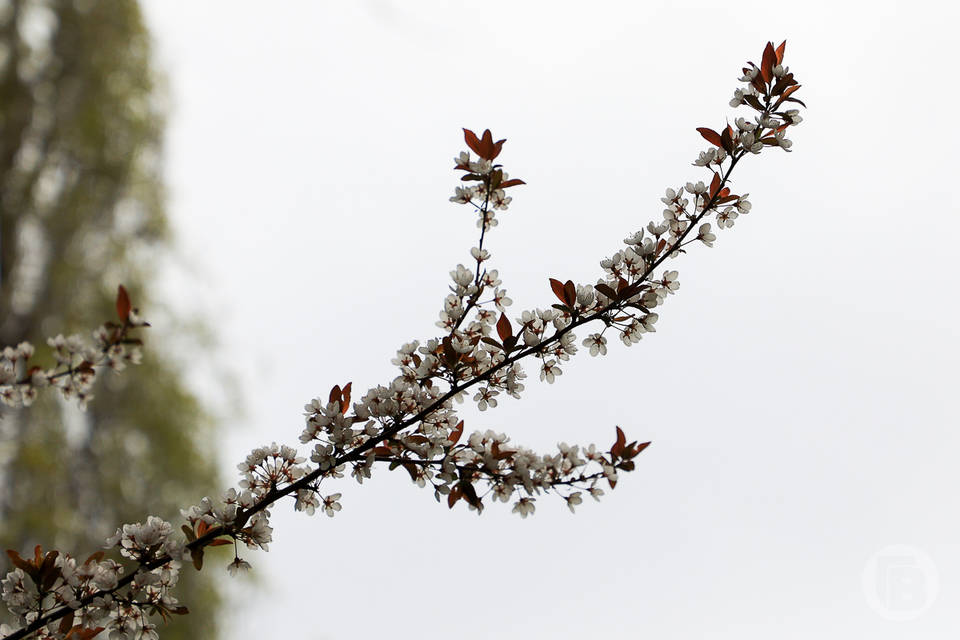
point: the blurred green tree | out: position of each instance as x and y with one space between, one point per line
82 210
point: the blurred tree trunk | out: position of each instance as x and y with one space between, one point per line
81 211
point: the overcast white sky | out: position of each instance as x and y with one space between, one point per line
800 390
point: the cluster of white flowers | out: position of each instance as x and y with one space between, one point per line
268 468
768 86
16 388
411 423
95 594
232 513
77 361
487 193
142 542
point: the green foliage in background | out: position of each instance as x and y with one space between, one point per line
81 211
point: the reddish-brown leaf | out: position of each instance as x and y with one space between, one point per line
710 136
470 494
631 291
219 542
123 303
557 287
411 469
780 51
66 623
486 145
346 398
196 554
512 182
19 562
617 448
454 436
48 572
504 330
786 94
569 293
454 495
786 97
714 184
472 141
753 102
726 140
450 355
768 62
335 393
49 559
606 290
490 148
782 84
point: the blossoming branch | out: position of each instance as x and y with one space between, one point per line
411 422
77 360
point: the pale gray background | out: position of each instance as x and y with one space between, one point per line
800 390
